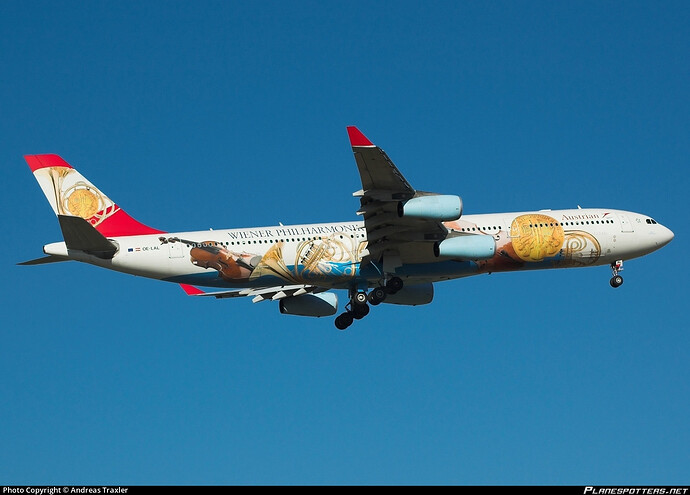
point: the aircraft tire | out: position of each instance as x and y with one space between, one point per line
377 296
360 311
360 298
343 321
394 285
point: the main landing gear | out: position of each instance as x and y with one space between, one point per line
616 281
358 307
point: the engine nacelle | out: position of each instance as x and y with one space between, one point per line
412 295
466 247
442 208
318 305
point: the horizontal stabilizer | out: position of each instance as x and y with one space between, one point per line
44 260
79 235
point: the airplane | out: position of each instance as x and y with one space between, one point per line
406 241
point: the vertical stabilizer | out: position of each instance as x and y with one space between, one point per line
71 194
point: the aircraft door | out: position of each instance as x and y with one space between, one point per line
512 232
175 250
626 226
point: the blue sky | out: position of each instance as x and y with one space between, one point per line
195 115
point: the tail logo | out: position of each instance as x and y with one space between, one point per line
74 195
83 203
71 194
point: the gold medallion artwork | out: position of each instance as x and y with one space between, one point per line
536 237
83 203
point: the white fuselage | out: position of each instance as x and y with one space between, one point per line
330 254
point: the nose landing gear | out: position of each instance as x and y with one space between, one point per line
616 281
358 308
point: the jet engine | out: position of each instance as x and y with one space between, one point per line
323 304
466 247
412 295
443 208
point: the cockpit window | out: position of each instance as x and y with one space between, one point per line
651 221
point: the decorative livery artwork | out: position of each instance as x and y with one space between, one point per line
536 238
531 239
315 259
74 195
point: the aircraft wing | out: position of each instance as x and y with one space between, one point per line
257 295
383 188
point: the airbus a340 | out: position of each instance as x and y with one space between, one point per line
405 241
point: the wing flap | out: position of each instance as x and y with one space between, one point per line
257 295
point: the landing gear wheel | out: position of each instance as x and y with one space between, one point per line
377 296
343 321
360 298
359 311
616 280
394 285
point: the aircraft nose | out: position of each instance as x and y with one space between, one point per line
665 236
